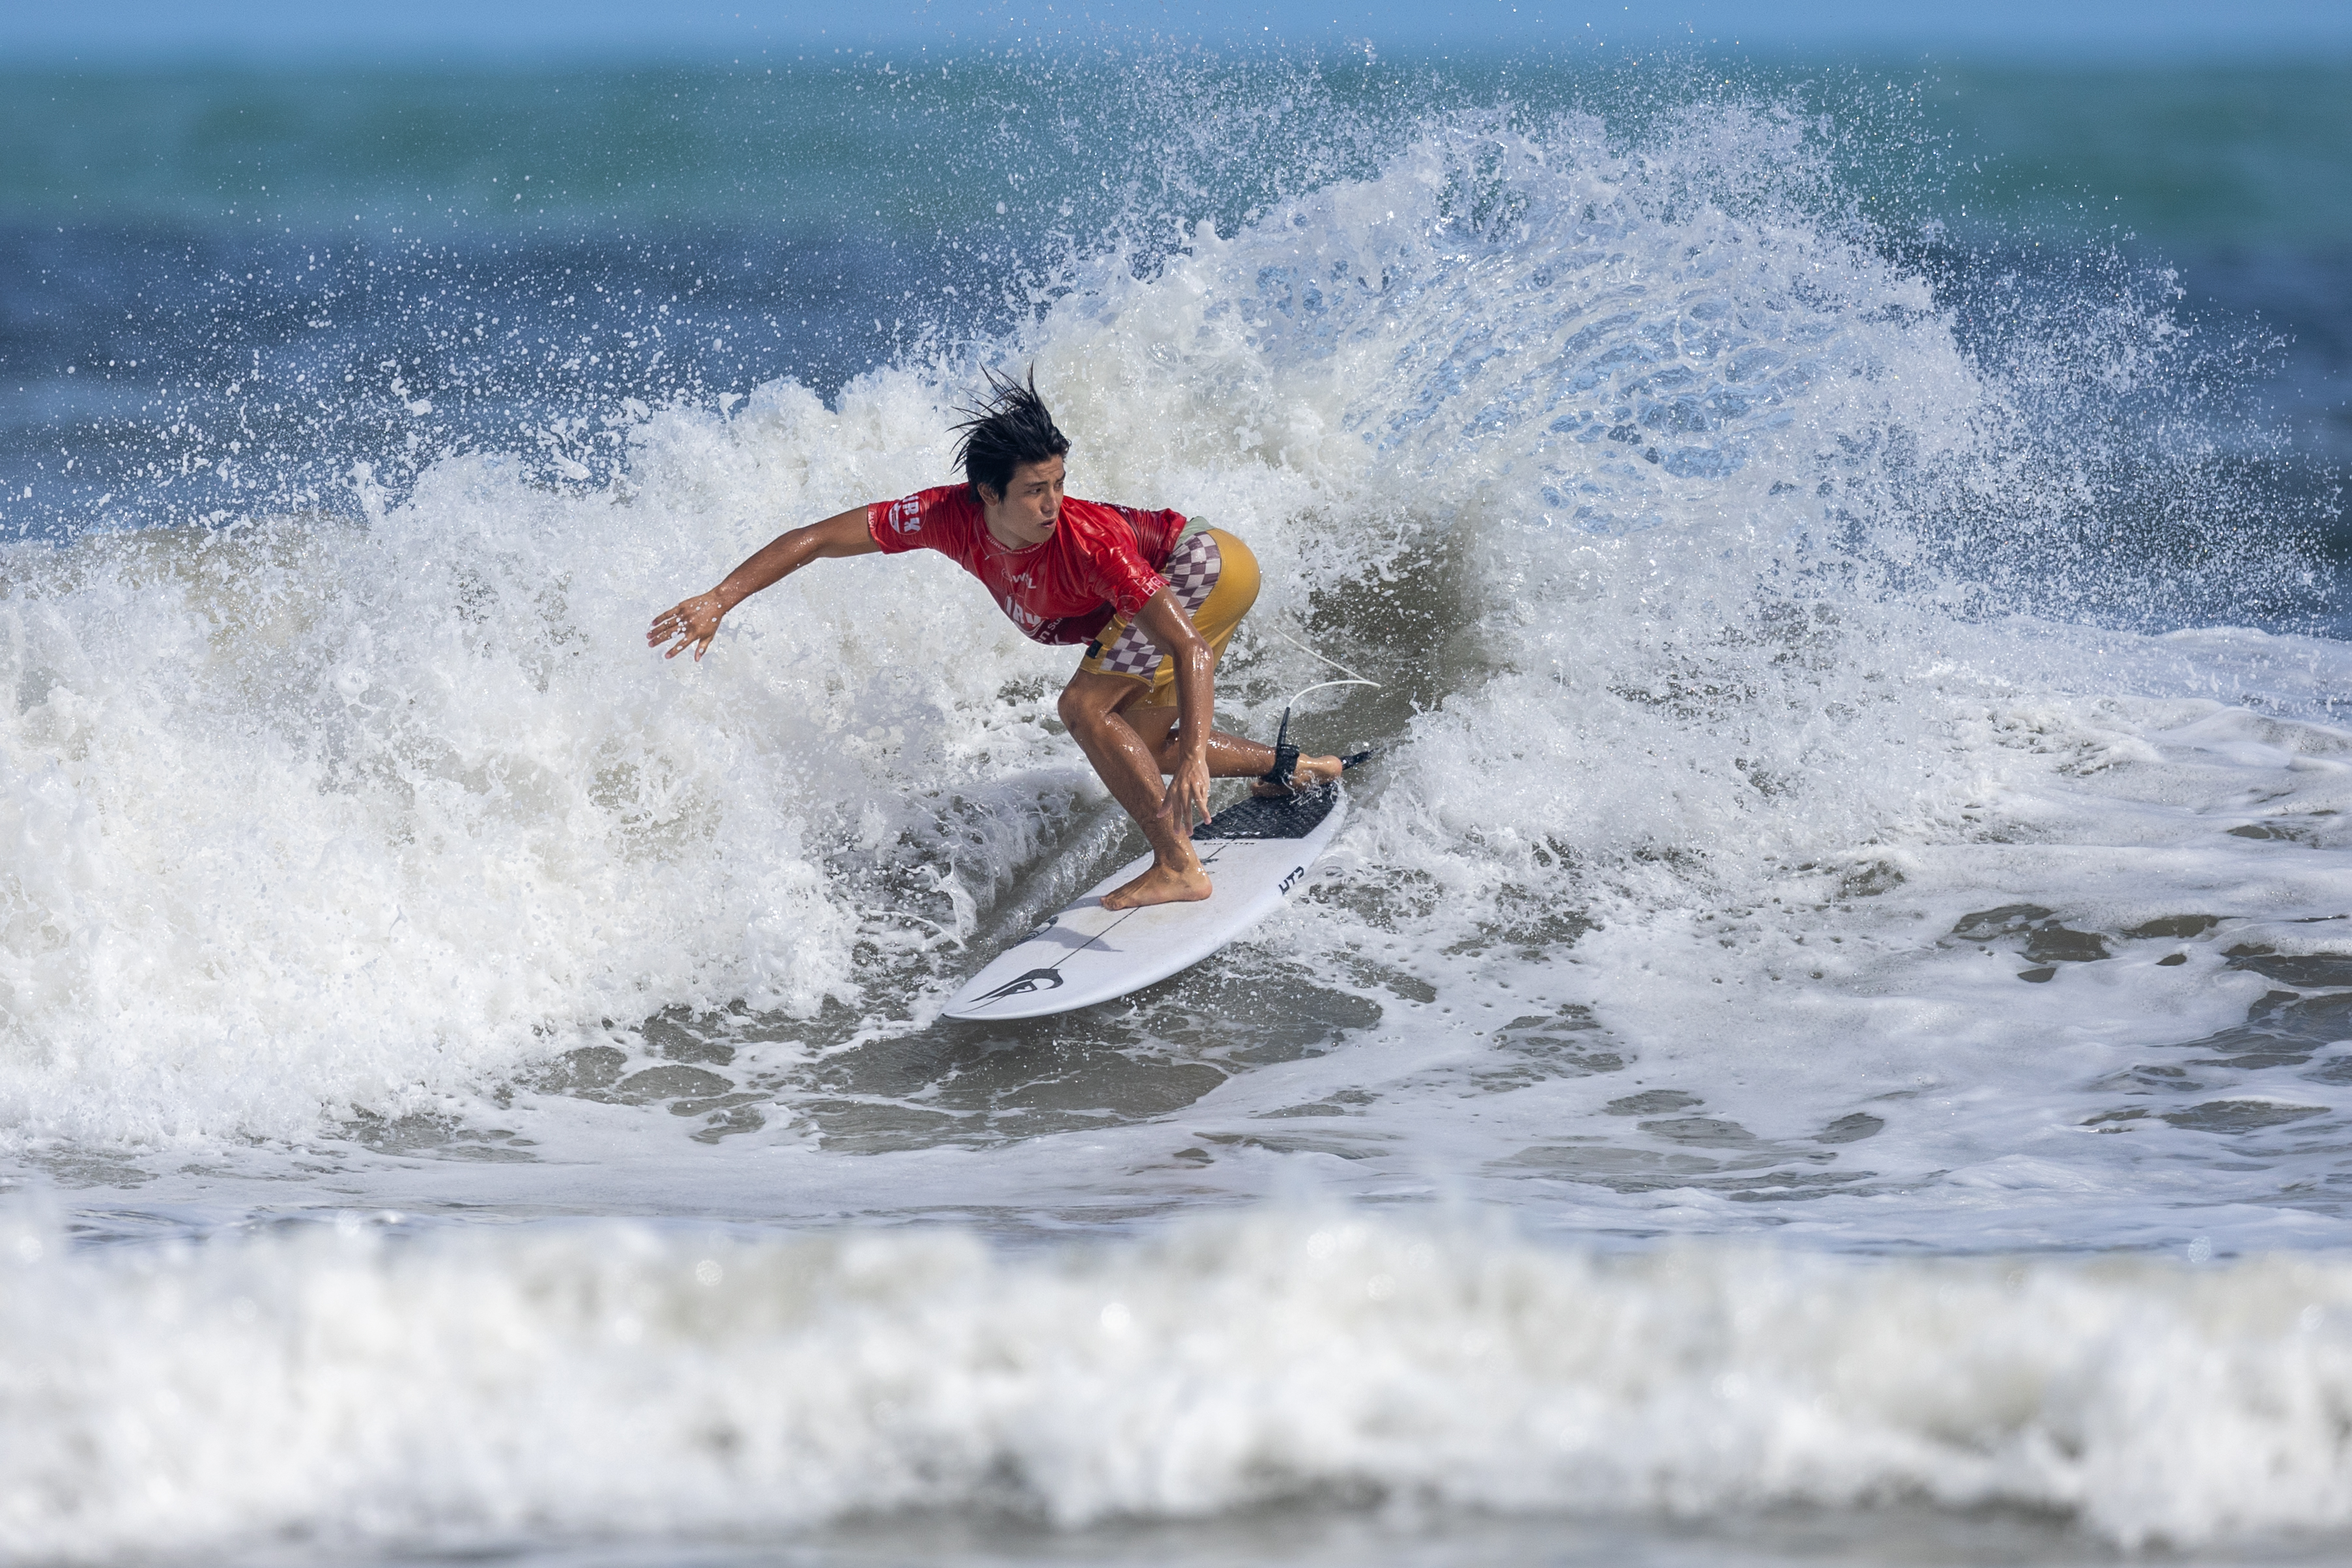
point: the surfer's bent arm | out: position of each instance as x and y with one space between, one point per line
1196 701
693 622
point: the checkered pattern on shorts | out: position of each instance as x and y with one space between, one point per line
1191 573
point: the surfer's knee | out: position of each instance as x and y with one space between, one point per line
1082 712
1089 703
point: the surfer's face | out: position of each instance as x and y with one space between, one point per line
1032 504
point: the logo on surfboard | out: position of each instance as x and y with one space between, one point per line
1034 980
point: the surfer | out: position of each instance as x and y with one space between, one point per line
1154 595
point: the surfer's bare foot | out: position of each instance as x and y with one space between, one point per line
1312 771
1160 884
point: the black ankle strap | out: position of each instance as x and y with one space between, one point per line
1285 757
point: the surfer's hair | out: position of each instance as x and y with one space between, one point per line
1011 426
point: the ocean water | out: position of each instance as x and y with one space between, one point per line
1822 1040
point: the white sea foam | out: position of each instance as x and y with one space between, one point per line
357 1389
314 816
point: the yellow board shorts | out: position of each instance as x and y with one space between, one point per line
1214 578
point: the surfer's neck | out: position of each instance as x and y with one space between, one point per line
1009 543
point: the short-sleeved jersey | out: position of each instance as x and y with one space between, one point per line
1101 561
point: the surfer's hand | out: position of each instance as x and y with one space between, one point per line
693 622
1187 800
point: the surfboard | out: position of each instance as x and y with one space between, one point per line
1257 852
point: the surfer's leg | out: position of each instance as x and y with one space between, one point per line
1216 616
1214 579
1091 708
1310 771
1229 755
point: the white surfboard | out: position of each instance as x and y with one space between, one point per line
1257 852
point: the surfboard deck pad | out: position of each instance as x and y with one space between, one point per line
1257 852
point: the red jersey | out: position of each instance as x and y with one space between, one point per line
1101 560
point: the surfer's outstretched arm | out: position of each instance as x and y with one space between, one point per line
693 622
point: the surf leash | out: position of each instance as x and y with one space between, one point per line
1285 755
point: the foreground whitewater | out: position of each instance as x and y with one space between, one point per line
1829 792
468 1391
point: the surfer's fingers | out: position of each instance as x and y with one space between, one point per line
690 629
1190 793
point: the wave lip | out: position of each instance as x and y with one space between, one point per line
350 1389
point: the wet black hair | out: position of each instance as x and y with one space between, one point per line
1010 427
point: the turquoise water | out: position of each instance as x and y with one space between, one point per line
2186 158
